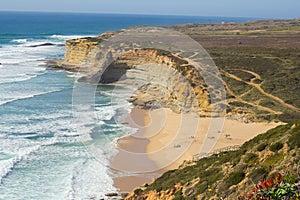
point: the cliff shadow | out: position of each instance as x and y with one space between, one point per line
113 73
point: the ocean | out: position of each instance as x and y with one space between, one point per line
42 155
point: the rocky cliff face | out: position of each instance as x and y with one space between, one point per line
78 50
160 78
163 79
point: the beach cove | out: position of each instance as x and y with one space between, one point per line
166 124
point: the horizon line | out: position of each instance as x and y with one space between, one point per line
148 14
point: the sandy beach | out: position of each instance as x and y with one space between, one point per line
165 139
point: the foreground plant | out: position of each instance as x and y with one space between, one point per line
278 188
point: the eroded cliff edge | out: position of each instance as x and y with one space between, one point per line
255 59
159 78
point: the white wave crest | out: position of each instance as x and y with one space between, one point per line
19 40
8 165
68 37
17 79
21 97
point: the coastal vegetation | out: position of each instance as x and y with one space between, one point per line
252 74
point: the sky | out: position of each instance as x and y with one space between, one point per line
229 8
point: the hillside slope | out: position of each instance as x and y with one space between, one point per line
233 174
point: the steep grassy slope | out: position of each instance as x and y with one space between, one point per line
232 174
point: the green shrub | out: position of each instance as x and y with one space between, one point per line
258 174
235 177
138 191
276 147
178 195
251 158
294 140
201 187
290 179
262 147
272 160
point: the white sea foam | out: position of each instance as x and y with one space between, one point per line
68 37
25 148
73 75
5 100
21 63
19 78
19 40
90 179
28 139
105 112
6 166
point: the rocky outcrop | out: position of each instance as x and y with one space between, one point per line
160 78
78 50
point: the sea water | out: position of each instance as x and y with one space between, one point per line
42 155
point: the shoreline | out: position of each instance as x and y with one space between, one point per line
161 148
137 118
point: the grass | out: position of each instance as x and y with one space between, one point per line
276 67
251 158
235 177
272 160
294 140
262 147
258 174
178 195
253 96
237 87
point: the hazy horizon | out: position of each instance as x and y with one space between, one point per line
267 9
146 14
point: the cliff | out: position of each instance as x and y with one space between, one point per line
78 50
256 60
164 79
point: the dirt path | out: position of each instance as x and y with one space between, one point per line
238 98
258 87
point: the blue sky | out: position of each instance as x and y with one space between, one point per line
234 8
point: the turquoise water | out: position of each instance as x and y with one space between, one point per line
42 156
